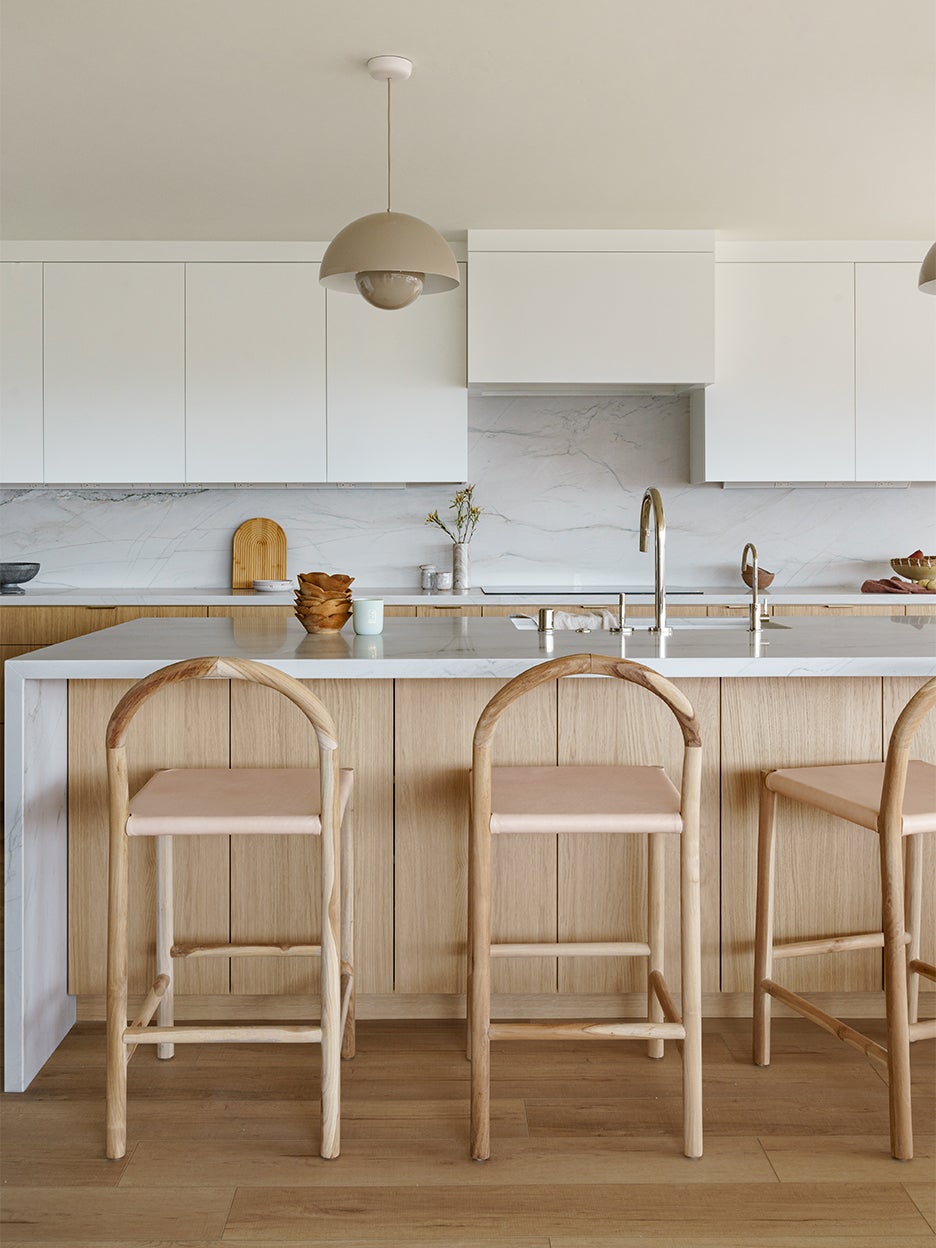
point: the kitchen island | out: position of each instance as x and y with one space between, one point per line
405 703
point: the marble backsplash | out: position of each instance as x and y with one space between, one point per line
560 481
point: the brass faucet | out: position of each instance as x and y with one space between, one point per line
653 502
755 625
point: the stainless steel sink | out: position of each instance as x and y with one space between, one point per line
702 621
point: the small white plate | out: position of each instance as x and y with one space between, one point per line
272 587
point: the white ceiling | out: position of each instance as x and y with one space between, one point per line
255 119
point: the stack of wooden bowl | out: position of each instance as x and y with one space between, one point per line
323 601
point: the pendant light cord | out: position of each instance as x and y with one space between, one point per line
388 145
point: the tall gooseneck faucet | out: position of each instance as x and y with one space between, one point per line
652 502
755 611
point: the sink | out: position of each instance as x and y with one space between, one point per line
702 621
677 624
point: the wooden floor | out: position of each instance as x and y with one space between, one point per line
224 1148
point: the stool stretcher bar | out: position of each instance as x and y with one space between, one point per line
573 949
832 944
290 1033
636 1030
246 951
835 1026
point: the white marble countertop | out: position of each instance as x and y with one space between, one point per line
492 647
41 595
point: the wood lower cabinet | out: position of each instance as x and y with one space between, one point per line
844 609
45 626
439 610
409 742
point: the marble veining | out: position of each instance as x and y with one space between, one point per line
560 480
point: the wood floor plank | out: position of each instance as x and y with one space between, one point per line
396 1163
435 1215
31 1127
847 1158
72 1215
923 1196
59 1165
525 1241
729 1240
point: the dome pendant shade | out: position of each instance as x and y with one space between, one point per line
384 245
928 272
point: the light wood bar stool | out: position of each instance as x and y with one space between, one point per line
897 800
224 801
583 799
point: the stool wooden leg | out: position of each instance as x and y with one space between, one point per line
117 903
764 919
690 910
656 911
895 995
348 1039
479 1003
165 936
913 903
331 977
469 961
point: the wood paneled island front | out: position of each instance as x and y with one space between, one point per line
406 703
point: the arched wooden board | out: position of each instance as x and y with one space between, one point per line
259 553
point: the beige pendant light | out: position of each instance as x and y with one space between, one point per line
928 272
389 257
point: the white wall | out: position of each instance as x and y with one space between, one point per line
560 480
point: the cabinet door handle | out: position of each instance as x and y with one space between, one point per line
113 608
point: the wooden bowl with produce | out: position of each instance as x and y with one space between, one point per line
917 567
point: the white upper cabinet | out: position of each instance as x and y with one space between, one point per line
825 367
590 311
114 360
20 373
782 407
397 402
254 372
895 374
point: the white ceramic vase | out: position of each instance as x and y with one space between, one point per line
461 566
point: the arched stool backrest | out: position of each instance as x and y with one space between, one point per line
587 665
226 669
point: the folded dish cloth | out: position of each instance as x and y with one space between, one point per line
585 619
894 585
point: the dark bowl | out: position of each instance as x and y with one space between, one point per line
16 573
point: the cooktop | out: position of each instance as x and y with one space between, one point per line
544 591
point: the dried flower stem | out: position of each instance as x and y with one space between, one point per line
466 517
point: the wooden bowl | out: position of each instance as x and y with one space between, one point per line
324 623
325 580
916 569
764 578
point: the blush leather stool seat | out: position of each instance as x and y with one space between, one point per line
896 800
228 801
584 800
